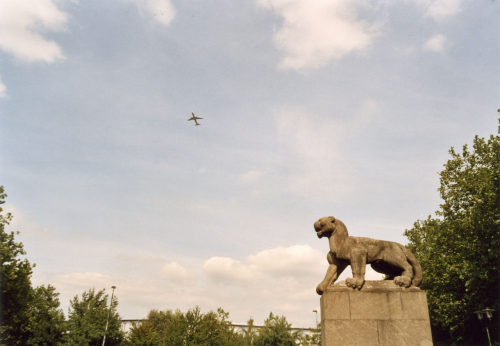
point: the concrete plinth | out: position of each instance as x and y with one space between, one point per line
380 314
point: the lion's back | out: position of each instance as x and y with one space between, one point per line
376 249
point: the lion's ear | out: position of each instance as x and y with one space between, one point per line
331 218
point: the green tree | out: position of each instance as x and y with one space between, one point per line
459 249
276 332
15 284
46 320
191 328
312 339
159 328
27 316
250 333
87 319
212 328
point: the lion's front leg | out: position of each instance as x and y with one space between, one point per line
335 268
358 266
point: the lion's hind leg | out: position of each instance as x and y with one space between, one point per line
394 256
388 269
404 279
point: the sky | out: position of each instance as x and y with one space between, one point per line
310 108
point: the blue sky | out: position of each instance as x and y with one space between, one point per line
344 108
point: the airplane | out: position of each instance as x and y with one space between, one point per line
195 118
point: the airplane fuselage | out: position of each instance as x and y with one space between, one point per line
195 118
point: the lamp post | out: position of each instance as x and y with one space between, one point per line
316 312
488 313
109 312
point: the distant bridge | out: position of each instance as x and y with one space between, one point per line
243 327
127 324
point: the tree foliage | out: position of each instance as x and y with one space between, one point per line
459 249
15 284
249 333
276 332
191 328
214 328
87 319
312 339
46 320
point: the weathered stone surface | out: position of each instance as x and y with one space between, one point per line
381 313
385 306
404 332
337 307
346 332
415 306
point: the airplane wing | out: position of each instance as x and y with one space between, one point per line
195 118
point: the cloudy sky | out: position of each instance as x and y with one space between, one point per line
311 108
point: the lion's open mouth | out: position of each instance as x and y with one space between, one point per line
318 228
322 229
322 232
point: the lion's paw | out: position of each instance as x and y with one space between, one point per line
402 281
354 283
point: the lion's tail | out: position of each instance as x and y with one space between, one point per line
417 269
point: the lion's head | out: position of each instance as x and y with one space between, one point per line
325 226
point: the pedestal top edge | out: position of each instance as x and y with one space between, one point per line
372 286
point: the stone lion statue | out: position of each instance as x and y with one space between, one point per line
385 257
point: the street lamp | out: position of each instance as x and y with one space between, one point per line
316 312
488 313
109 312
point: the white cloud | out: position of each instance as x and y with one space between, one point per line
3 88
162 10
20 22
317 32
228 270
279 262
171 271
293 260
436 43
175 272
280 279
440 9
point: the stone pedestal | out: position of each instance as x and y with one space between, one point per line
380 314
